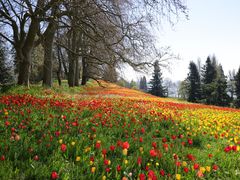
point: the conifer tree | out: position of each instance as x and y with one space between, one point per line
237 90
194 88
209 74
156 87
143 84
221 96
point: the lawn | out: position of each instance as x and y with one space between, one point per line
114 133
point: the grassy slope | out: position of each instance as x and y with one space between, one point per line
211 128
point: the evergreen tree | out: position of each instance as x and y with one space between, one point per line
209 71
156 87
4 70
194 88
209 74
237 90
221 96
143 84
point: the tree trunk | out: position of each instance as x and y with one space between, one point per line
72 68
59 78
47 66
24 70
84 71
59 72
72 42
24 52
48 55
77 72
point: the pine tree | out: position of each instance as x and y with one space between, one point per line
194 88
237 90
209 74
143 84
209 71
156 87
221 96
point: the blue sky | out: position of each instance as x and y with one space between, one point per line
213 28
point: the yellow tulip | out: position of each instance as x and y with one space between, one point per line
125 151
178 176
184 163
202 169
93 169
78 158
73 143
208 168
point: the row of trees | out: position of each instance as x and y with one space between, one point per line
81 39
209 85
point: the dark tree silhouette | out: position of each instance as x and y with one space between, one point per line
222 98
209 74
194 89
156 87
143 83
237 90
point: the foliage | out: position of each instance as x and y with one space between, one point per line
194 90
237 91
156 86
209 74
143 84
183 90
222 98
213 87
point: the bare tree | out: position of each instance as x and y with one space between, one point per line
23 18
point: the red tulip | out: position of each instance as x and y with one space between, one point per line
112 148
36 158
2 158
118 168
215 167
63 147
154 145
139 161
125 145
196 166
162 172
141 177
153 153
97 145
190 141
185 169
54 175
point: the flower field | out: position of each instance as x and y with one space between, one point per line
115 133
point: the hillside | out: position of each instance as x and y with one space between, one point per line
112 132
